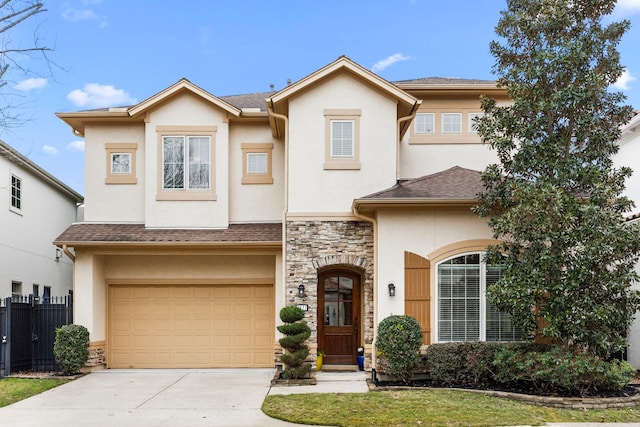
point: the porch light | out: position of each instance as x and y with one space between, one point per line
301 293
392 289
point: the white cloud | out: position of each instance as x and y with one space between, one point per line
31 84
84 13
95 95
384 63
77 145
623 81
75 15
628 6
48 149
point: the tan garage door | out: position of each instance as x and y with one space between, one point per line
190 326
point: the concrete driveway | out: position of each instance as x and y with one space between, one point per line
150 397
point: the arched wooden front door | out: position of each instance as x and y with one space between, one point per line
339 316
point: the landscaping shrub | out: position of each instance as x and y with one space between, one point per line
71 348
297 333
560 372
466 364
398 346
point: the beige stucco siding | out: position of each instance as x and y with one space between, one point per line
315 189
423 233
113 202
187 111
255 202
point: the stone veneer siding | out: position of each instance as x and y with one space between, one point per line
312 246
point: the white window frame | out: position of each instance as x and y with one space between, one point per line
482 327
16 193
257 163
118 160
341 161
421 127
472 126
344 140
447 125
187 164
186 192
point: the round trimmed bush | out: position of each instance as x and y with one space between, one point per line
71 348
398 346
297 351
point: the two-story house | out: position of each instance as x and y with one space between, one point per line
629 155
37 208
342 193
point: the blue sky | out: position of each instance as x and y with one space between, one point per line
119 52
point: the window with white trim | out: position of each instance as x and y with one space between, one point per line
473 127
451 122
342 138
425 123
464 313
16 192
186 162
257 163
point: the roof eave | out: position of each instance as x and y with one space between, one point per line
78 120
374 204
171 244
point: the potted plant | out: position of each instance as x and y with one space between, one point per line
319 359
360 358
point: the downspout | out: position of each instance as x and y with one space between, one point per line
68 253
401 120
374 224
286 189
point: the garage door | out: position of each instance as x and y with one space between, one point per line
191 326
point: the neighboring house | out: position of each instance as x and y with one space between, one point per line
629 155
342 193
37 208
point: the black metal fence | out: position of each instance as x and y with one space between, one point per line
28 332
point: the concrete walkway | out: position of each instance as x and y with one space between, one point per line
150 397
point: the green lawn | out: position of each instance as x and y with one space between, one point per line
15 389
426 408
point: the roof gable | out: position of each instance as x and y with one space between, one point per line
183 85
342 63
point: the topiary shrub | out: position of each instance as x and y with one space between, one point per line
71 348
297 351
398 346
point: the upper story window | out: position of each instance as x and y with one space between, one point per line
121 163
186 163
425 123
464 313
256 163
16 192
473 128
16 289
451 123
342 139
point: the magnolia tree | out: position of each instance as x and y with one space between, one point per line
555 198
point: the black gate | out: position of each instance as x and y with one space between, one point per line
28 331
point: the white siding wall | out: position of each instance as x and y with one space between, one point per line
27 254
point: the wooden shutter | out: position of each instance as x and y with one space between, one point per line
417 292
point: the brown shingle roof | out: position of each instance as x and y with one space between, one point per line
250 100
83 234
456 183
443 81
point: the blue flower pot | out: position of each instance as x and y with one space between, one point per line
360 363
